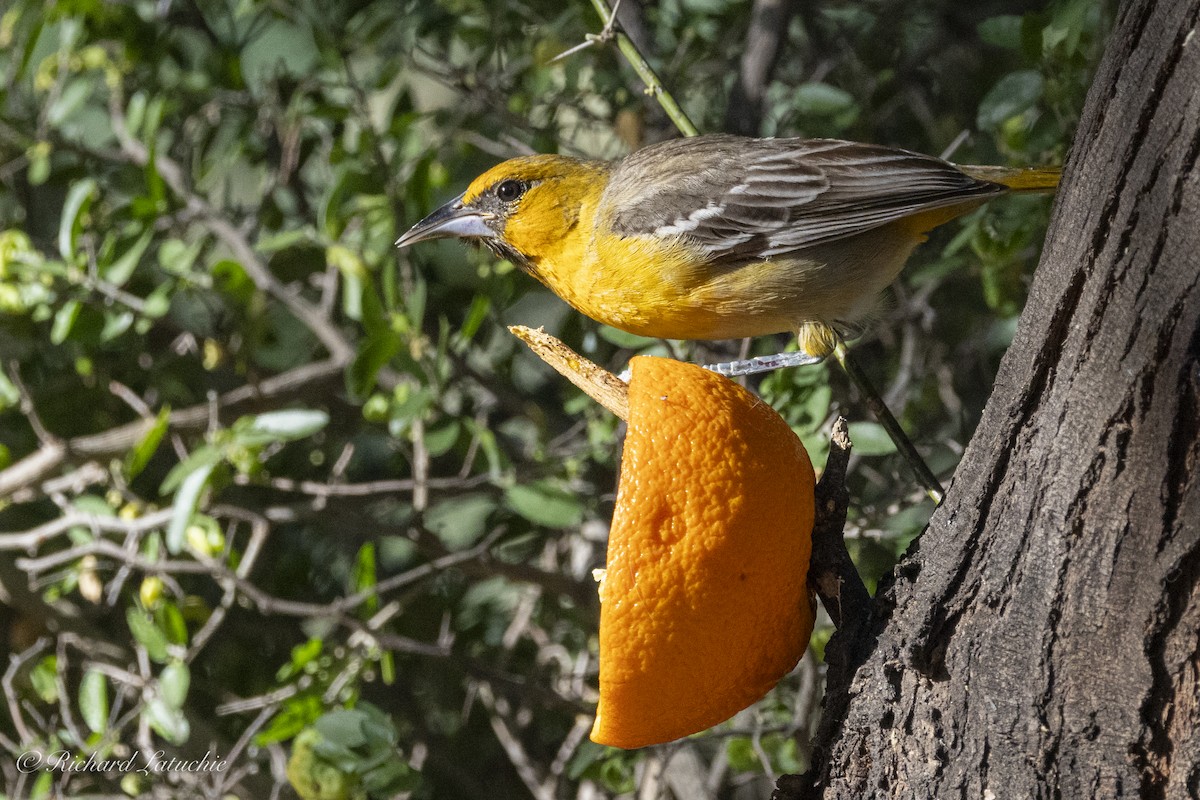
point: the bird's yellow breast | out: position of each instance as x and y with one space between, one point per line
661 287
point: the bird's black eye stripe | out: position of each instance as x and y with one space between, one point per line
510 190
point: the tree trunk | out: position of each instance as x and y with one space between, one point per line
1042 638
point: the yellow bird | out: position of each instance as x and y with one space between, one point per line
721 237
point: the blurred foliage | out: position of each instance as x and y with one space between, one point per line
264 479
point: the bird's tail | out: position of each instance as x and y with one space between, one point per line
1042 180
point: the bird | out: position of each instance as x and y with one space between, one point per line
721 236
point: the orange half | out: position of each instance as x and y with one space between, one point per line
704 600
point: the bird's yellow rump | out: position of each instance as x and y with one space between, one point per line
719 237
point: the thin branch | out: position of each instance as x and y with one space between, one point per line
597 383
259 530
222 781
337 345
764 42
925 476
367 488
654 86
33 538
29 408
517 755
831 572
15 663
266 603
36 466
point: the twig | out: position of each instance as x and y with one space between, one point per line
365 489
338 347
31 539
654 86
264 701
831 572
29 408
420 466
266 603
605 35
259 530
871 397
15 663
65 698
220 780
570 744
50 455
130 398
768 30
596 382
517 755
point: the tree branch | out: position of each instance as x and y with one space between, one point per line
36 466
831 572
764 42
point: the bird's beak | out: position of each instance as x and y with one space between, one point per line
453 219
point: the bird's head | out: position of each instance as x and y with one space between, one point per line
522 209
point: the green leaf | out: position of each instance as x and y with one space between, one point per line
158 302
365 576
9 396
170 621
302 654
73 96
460 521
201 456
279 426
622 339
167 722
374 352
439 439
297 714
821 99
742 755
143 451
39 165
42 786
119 271
176 256
147 634
343 727
475 316
870 439
44 679
93 700
545 504
274 242
115 324
187 500
1012 95
1001 31
79 197
391 778
173 682
64 321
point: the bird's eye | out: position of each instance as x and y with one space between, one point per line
510 190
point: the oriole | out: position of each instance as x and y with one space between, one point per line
721 237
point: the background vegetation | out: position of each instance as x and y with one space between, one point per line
271 489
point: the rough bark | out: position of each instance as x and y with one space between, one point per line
1042 639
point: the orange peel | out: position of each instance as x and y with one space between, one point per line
704 600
